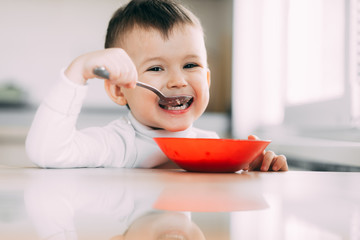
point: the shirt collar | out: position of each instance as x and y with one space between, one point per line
150 132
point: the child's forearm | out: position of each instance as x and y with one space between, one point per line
53 140
53 125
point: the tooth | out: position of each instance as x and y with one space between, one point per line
182 107
173 236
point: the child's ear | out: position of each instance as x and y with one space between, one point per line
208 77
115 93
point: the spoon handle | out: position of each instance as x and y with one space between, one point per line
104 73
101 72
151 88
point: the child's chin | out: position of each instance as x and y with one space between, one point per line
177 128
172 128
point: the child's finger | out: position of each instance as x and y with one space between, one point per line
267 160
256 164
253 137
280 163
124 74
128 78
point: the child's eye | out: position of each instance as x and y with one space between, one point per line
155 69
191 65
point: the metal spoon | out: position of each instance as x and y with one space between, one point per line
168 101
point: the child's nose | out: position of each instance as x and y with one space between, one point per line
176 81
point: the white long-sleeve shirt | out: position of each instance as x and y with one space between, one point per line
54 142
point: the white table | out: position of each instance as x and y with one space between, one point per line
246 205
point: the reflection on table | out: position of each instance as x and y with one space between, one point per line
172 204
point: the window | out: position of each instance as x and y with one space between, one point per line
322 90
316 47
296 77
296 62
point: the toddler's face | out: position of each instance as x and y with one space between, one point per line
175 66
168 225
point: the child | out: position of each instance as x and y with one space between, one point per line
158 42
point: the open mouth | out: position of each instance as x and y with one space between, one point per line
175 107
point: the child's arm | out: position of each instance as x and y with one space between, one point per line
268 161
53 140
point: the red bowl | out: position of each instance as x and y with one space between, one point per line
211 155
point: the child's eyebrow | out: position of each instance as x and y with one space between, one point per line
152 59
192 56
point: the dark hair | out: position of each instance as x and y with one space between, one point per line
161 15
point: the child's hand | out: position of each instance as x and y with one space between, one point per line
115 60
268 160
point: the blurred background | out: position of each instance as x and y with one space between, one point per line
286 70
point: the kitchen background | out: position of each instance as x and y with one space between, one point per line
286 70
